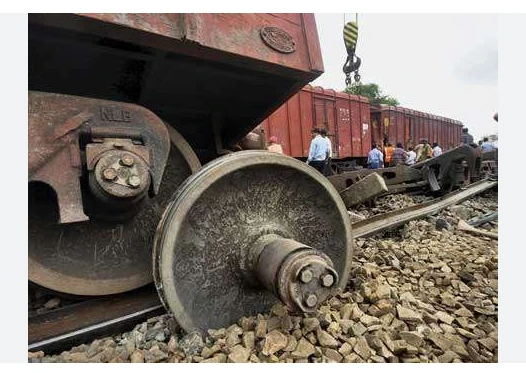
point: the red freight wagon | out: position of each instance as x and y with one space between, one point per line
158 94
398 124
353 125
187 68
346 118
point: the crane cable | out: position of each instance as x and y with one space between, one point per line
353 62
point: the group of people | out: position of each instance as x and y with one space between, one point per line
320 151
394 156
485 145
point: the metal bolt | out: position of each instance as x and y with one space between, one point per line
118 145
127 160
109 174
306 276
311 300
134 181
327 280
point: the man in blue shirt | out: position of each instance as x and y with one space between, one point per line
375 159
486 146
318 151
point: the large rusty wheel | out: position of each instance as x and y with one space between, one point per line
250 229
102 257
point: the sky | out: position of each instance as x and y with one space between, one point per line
443 64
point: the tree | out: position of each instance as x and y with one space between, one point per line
373 92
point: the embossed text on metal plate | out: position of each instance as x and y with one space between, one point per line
278 39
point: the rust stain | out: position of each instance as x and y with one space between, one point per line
71 124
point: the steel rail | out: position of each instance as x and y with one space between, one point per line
57 330
378 223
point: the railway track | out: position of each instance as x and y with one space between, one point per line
393 219
58 330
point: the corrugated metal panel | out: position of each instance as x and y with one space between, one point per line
358 110
346 118
366 130
343 110
294 131
353 124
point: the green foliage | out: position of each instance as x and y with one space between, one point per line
373 92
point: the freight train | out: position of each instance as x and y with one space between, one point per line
353 124
130 180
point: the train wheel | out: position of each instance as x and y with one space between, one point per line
246 230
101 257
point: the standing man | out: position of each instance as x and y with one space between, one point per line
465 137
437 150
274 147
375 158
426 151
399 155
418 149
318 151
411 156
323 133
486 146
389 150
423 150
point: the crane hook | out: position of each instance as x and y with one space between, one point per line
353 62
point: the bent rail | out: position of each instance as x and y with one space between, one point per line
393 219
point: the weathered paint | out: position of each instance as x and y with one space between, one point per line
353 125
234 33
164 62
345 117
409 126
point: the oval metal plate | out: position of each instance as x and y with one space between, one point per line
278 39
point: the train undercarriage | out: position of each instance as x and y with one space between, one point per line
130 176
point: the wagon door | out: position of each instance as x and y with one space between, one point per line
408 139
376 132
324 117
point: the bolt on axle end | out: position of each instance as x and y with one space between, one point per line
307 296
300 276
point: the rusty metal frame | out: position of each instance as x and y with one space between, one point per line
61 128
450 170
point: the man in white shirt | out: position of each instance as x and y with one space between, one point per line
437 150
411 157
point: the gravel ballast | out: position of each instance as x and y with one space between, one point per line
424 292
